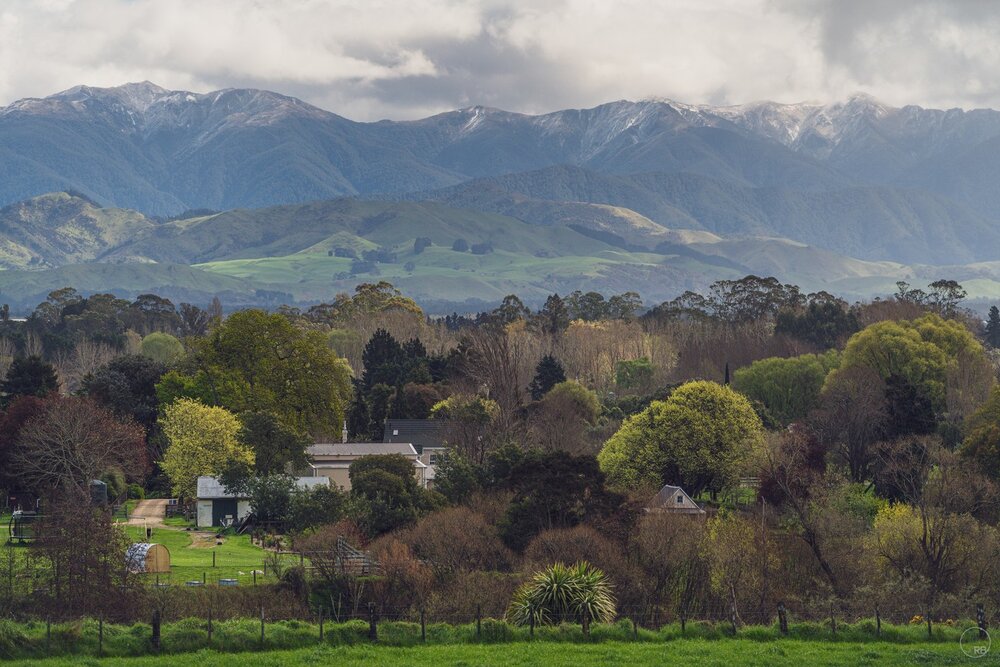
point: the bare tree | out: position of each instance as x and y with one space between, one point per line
852 417
73 442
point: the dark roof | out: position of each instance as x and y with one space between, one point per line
420 432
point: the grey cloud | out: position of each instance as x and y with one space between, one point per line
409 59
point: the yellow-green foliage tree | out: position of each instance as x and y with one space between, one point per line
919 351
202 441
701 437
257 361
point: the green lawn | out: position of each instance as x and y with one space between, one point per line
191 558
724 653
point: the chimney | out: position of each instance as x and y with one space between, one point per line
343 434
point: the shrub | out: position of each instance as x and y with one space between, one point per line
136 492
560 593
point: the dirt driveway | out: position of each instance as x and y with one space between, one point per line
148 513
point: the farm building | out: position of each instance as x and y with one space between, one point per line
143 557
673 499
217 507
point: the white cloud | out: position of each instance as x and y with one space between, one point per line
377 59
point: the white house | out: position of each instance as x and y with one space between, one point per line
216 507
672 499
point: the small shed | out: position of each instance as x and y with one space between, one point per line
672 499
147 558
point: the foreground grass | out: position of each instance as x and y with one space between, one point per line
723 653
182 639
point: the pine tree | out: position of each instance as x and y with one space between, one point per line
993 327
548 374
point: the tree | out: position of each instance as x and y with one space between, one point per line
548 373
788 387
460 245
634 373
554 490
918 352
825 322
162 347
388 484
259 361
511 309
202 441
21 411
28 376
554 317
194 320
983 440
945 295
127 385
559 421
852 417
74 441
420 244
276 448
993 327
469 424
741 560
701 437
560 593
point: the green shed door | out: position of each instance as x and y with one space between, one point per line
221 507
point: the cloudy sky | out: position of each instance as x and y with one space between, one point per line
371 59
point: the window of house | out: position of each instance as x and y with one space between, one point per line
680 498
434 459
395 431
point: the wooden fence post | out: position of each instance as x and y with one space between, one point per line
981 620
100 635
155 639
635 630
255 577
321 624
423 626
262 625
372 625
531 622
878 622
213 558
48 633
209 625
782 618
479 618
833 621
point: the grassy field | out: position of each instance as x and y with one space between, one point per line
191 556
723 653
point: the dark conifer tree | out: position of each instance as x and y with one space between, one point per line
993 327
548 374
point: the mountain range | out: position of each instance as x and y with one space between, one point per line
667 195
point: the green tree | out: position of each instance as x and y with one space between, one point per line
28 376
548 373
993 327
701 437
919 352
162 347
388 485
633 373
554 490
259 361
788 387
983 440
276 448
202 441
554 317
